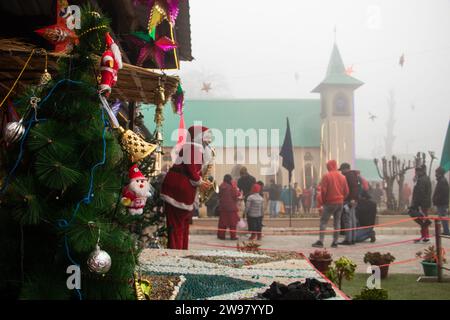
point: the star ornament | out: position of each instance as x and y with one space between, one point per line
349 71
401 61
59 34
206 87
151 49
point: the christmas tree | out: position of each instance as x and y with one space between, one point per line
60 198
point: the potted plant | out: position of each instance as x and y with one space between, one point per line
372 294
381 260
429 261
321 259
343 268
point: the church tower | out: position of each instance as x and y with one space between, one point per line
337 130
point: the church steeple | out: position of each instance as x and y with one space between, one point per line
335 65
336 73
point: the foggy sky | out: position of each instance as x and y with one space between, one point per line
255 48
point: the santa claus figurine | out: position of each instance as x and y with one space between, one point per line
135 194
181 184
110 64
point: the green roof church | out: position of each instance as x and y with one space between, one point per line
250 132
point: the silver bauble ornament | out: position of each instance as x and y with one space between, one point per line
14 131
99 261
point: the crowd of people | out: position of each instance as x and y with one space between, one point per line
342 194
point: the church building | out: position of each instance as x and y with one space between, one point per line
250 132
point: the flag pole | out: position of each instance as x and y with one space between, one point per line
290 201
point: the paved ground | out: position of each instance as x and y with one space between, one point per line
402 248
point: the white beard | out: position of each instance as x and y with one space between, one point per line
140 192
117 54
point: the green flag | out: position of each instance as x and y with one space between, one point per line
445 158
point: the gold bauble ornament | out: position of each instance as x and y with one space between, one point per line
46 77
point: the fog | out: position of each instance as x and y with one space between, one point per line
280 49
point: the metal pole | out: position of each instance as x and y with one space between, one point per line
290 201
437 233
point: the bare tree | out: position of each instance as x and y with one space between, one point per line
401 167
388 176
391 171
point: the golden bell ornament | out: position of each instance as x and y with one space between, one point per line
135 146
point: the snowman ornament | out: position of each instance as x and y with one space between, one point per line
135 194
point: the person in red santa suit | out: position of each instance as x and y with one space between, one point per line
110 64
180 185
135 194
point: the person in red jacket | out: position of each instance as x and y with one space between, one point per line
229 217
179 188
333 191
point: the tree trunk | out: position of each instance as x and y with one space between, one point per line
391 202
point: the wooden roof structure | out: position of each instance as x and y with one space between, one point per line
134 83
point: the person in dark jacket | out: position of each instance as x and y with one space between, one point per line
245 182
349 213
274 198
366 213
441 198
421 202
229 217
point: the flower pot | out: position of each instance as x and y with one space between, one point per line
321 265
384 272
430 269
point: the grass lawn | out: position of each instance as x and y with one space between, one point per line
401 287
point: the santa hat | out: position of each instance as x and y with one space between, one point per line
196 132
114 48
135 173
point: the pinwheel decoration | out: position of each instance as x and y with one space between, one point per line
152 49
178 100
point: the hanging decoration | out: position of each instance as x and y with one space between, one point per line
157 15
99 261
136 147
15 130
46 77
135 194
8 115
178 100
206 87
110 64
59 34
161 9
349 70
401 61
160 100
152 49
